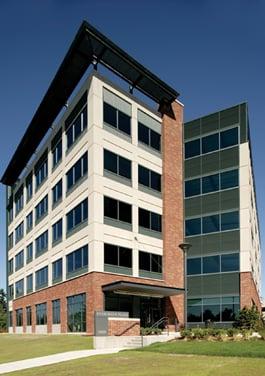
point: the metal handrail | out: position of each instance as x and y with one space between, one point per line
161 321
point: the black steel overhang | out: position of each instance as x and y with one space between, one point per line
142 289
89 46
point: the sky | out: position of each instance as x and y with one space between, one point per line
210 51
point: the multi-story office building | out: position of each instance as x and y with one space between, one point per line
92 223
221 221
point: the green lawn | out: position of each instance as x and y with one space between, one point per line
134 363
18 347
248 349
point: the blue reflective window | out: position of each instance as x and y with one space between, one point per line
229 179
57 270
41 277
211 264
229 221
77 260
210 224
57 231
230 263
194 266
229 138
210 143
57 192
192 148
77 215
210 183
193 226
192 187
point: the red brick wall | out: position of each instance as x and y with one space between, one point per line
248 291
123 327
172 144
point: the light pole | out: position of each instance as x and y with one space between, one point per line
185 248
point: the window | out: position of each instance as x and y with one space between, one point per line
41 314
19 232
229 221
19 317
211 223
57 192
10 266
57 231
29 221
29 316
194 310
230 262
192 187
117 210
77 127
229 179
29 187
29 252
149 220
76 313
77 261
192 148
41 172
78 170
149 178
194 266
57 270
229 138
150 262
19 200
29 283
41 278
19 288
41 209
193 226
210 183
229 308
211 309
41 244
10 241
11 292
77 215
149 137
57 149
210 143
116 118
118 256
211 264
117 164
56 314
19 260
10 213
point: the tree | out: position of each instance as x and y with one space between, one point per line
3 311
248 318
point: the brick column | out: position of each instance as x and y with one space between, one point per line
172 146
248 291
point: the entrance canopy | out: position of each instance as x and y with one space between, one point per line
141 289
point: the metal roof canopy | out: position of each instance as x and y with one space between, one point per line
89 46
141 288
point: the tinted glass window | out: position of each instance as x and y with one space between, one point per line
144 218
156 222
109 115
229 179
210 224
143 133
210 183
125 212
143 175
192 187
192 148
124 123
144 261
125 257
229 138
156 263
125 167
194 310
230 263
110 161
193 226
211 312
210 143
194 266
211 264
229 221
110 254
155 140
155 181
110 208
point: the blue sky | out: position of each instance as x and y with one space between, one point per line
212 52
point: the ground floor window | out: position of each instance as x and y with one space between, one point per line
19 317
216 309
41 314
29 316
76 313
56 316
10 318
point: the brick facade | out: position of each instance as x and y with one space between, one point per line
172 144
248 291
123 327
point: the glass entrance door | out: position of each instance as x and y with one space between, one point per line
151 310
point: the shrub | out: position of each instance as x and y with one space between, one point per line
150 331
248 318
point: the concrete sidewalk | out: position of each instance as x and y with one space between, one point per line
52 359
